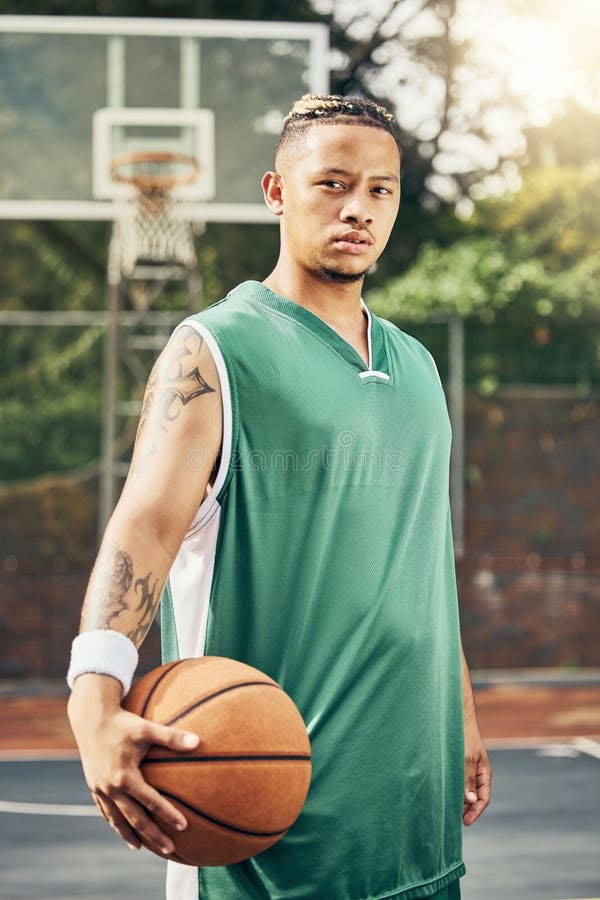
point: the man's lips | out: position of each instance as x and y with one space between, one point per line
354 242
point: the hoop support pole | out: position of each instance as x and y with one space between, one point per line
111 363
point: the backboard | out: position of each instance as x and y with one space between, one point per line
76 92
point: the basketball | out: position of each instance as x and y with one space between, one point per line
246 782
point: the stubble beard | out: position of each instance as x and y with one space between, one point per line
338 277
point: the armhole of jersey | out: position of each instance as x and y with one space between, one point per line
209 505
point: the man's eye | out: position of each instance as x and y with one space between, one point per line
333 184
382 190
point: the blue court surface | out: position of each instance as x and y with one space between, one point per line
540 840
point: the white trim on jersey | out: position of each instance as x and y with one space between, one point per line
182 882
208 505
191 578
375 373
370 371
366 309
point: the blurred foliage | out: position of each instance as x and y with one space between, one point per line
50 378
526 278
570 138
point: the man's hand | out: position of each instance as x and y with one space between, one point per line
478 775
112 742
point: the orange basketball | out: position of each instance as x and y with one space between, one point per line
247 780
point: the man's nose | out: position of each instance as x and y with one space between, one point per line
356 209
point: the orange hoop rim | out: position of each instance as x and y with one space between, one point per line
163 182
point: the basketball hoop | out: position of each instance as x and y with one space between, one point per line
151 229
142 176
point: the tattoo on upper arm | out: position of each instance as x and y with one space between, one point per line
112 581
149 397
186 381
181 382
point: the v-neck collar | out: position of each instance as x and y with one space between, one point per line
377 367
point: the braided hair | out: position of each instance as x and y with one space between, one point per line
334 110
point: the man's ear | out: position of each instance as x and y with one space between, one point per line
271 185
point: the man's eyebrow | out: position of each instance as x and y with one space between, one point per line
323 173
393 178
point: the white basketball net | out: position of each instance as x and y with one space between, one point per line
150 231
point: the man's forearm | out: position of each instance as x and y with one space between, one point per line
120 602
125 585
470 712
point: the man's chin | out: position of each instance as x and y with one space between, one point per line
339 276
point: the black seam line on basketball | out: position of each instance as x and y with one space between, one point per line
232 687
203 815
202 759
156 684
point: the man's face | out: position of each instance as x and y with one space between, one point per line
340 192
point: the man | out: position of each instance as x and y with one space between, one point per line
289 487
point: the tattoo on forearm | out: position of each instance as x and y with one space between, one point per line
146 607
112 579
107 600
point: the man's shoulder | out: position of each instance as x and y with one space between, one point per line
237 297
227 312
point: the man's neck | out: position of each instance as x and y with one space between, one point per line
336 303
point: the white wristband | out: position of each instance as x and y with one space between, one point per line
104 652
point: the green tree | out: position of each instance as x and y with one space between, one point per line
525 278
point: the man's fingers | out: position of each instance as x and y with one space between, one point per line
132 806
484 790
99 804
133 819
157 805
470 781
472 811
117 820
478 789
138 804
484 782
174 738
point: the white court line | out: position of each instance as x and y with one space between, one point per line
587 745
48 809
583 744
44 809
532 743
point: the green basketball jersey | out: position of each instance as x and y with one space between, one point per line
323 556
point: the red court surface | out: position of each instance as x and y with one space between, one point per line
33 715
